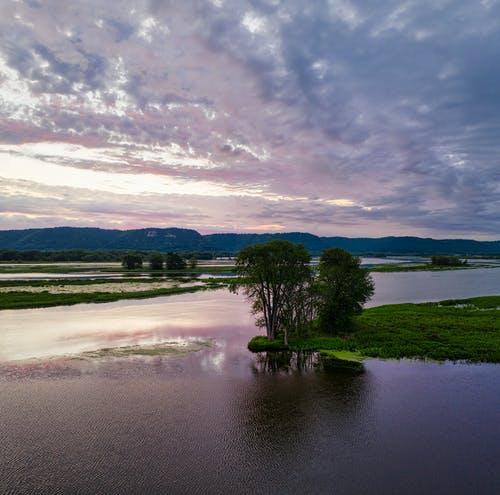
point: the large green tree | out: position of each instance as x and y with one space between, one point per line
275 276
343 288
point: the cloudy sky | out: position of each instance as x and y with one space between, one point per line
335 117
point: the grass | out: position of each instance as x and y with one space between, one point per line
456 330
260 343
24 299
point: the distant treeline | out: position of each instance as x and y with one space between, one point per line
448 261
84 255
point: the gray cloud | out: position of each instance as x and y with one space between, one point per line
391 105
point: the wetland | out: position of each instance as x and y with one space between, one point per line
215 418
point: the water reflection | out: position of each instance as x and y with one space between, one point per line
285 362
307 429
48 332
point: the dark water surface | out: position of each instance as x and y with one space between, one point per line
179 426
217 421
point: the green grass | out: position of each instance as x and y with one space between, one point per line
259 343
23 300
470 332
457 330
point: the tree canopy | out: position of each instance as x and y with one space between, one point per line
344 288
287 295
273 277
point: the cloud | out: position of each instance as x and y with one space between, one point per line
287 107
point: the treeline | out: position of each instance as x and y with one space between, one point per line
440 260
158 261
84 255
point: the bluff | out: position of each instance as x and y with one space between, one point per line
177 239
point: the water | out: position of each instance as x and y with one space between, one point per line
216 422
400 287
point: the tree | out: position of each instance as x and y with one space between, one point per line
343 288
156 261
174 262
274 276
132 261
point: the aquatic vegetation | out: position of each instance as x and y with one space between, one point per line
456 330
175 347
342 360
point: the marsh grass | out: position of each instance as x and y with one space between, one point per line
25 299
162 349
456 330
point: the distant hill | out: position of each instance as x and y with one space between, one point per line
383 246
60 238
175 239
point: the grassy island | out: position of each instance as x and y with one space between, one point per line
457 330
46 293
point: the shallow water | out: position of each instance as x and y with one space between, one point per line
217 421
400 287
45 332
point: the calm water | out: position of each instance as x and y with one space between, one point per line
217 421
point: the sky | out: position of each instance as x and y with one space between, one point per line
335 117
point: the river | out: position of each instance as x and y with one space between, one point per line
217 421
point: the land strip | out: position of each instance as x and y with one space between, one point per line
40 296
456 330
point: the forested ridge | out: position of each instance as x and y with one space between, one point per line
188 240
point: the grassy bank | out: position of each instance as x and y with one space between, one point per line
24 299
467 329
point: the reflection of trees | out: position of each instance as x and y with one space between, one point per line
288 362
299 431
289 407
285 362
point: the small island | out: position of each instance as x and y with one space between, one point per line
455 330
320 310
